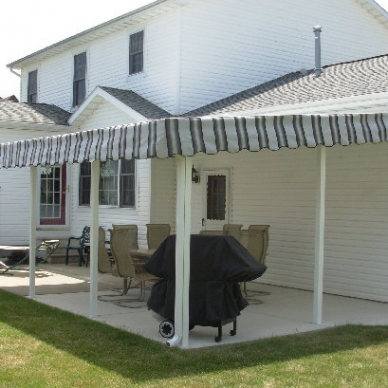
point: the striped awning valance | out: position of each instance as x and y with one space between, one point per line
189 136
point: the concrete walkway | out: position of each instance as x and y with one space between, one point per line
273 311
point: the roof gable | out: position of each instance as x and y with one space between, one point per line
127 101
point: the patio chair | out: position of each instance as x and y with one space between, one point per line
257 246
258 238
132 233
156 234
105 262
43 254
79 244
128 268
233 230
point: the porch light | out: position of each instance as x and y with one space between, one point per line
194 175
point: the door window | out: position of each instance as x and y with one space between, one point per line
216 200
52 195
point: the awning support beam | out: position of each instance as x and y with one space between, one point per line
94 205
33 218
319 235
182 253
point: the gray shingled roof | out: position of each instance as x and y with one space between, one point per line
138 103
22 112
349 79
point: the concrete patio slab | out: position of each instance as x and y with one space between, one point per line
273 311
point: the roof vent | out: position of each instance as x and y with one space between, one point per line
318 67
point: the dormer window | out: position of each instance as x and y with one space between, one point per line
79 82
136 62
32 92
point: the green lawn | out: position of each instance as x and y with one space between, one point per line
44 347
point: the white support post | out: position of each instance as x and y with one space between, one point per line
182 253
319 235
32 252
94 202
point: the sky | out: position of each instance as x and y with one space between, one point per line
27 26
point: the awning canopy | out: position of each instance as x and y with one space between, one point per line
188 136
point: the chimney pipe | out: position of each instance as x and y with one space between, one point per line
318 67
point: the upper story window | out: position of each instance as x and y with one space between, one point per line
136 58
32 92
79 81
117 183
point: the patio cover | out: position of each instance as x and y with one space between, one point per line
183 138
188 136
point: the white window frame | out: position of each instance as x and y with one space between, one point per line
37 84
119 192
86 77
143 72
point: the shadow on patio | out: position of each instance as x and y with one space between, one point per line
273 311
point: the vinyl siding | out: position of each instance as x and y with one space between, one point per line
228 47
81 215
279 189
208 50
107 115
107 65
15 196
103 114
163 193
14 206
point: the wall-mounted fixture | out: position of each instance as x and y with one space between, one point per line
194 175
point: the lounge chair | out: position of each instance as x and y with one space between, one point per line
43 254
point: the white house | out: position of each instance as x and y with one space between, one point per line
217 58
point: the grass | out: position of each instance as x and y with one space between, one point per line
45 347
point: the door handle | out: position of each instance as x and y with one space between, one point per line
203 222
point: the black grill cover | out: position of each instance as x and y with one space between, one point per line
218 264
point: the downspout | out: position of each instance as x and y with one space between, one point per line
318 67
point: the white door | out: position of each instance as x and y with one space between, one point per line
216 199
53 195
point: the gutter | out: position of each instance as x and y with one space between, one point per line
331 106
35 126
14 72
